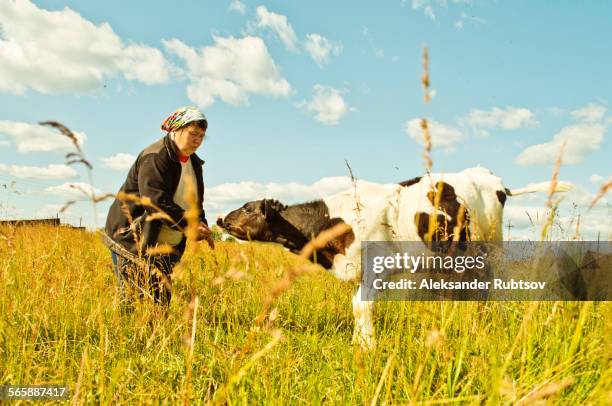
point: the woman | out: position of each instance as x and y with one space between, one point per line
162 173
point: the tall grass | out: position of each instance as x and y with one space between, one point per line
58 325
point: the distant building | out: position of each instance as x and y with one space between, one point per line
32 222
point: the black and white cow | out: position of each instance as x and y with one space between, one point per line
469 207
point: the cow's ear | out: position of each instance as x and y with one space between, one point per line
272 208
269 209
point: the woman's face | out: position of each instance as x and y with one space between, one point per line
189 138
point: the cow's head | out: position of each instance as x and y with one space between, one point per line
252 221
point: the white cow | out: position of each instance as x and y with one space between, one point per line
469 207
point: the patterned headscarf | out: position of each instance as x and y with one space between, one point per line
182 117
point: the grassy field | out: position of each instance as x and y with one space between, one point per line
58 324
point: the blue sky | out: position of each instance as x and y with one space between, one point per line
291 91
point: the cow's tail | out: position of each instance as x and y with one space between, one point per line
540 187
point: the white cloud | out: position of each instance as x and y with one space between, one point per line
144 64
228 196
508 119
465 17
73 190
40 172
34 137
328 105
60 51
428 5
442 135
237 6
580 139
231 69
119 162
279 25
596 179
379 52
590 113
320 48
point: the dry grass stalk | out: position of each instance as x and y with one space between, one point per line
165 280
136 228
323 238
191 231
515 343
383 376
602 191
433 217
90 196
9 237
194 321
157 216
554 181
396 214
433 339
545 391
424 123
192 214
192 318
234 379
358 204
120 250
75 398
75 158
97 199
470 399
460 221
82 190
145 201
68 204
232 274
428 145
425 77
64 131
577 233
160 249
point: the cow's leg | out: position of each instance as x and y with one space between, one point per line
364 328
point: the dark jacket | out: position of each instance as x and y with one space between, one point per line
155 174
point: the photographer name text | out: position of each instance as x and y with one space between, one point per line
432 284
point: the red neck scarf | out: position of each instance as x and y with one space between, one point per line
183 158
